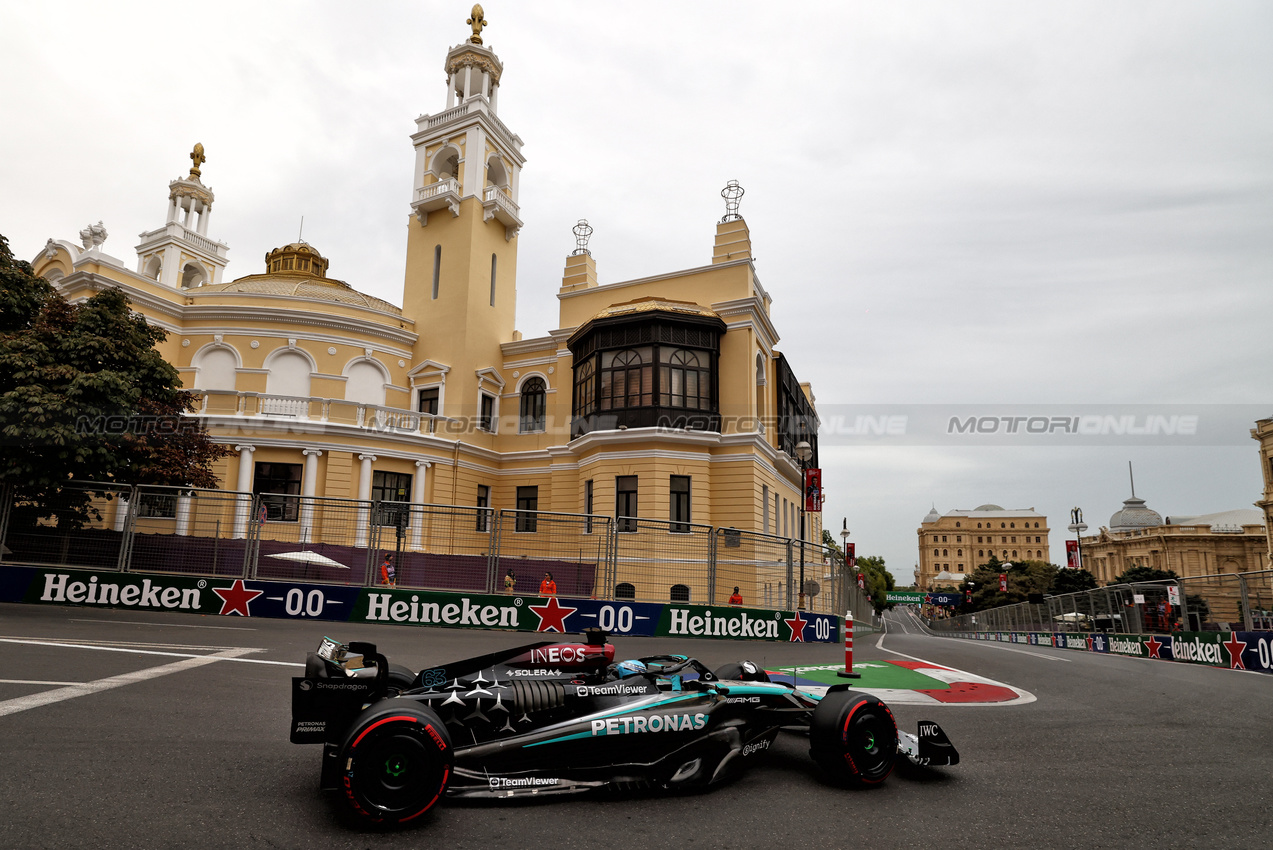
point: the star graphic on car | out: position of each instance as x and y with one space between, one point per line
796 624
552 617
235 598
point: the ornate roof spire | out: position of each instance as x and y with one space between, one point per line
197 157
476 21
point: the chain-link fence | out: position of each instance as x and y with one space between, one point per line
659 561
185 530
757 565
82 525
1225 602
430 547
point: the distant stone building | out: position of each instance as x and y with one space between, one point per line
955 543
1190 546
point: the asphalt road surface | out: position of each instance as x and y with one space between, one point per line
127 729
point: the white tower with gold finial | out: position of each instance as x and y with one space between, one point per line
180 254
460 282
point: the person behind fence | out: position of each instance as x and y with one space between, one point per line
387 573
736 599
510 582
548 587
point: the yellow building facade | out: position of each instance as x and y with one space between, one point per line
955 543
1263 434
664 397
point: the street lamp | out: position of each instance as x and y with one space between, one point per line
1078 527
849 571
804 453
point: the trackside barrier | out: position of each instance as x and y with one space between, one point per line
1233 650
389 605
349 542
1209 603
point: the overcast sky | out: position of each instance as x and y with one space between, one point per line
991 204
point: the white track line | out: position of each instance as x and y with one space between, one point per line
13 706
35 682
220 656
166 625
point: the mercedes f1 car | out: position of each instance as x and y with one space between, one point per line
557 718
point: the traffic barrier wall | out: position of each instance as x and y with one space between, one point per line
252 597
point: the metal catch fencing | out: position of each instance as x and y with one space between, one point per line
354 542
1224 602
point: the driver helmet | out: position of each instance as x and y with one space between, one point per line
629 668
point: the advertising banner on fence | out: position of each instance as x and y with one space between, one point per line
1232 650
400 606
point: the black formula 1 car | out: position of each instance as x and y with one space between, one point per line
557 718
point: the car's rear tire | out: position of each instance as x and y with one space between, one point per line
853 737
395 762
400 679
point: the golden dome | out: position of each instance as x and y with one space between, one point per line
653 304
297 270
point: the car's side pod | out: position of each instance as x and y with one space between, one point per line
929 748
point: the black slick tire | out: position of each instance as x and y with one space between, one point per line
853 737
395 763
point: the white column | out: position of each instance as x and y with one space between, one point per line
494 97
364 493
121 513
183 514
174 209
244 506
468 81
450 90
204 215
417 498
309 486
486 84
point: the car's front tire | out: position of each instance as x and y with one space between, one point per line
395 763
853 737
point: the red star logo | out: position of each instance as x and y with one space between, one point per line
1153 644
552 617
235 598
1236 648
797 627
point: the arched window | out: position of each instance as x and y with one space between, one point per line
943 553
936 553
684 379
627 379
624 590
1014 553
981 553
959 553
680 593
366 384
532 409
193 275
585 387
216 369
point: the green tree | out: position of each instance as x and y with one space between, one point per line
84 396
878 580
1072 581
1135 574
1023 579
